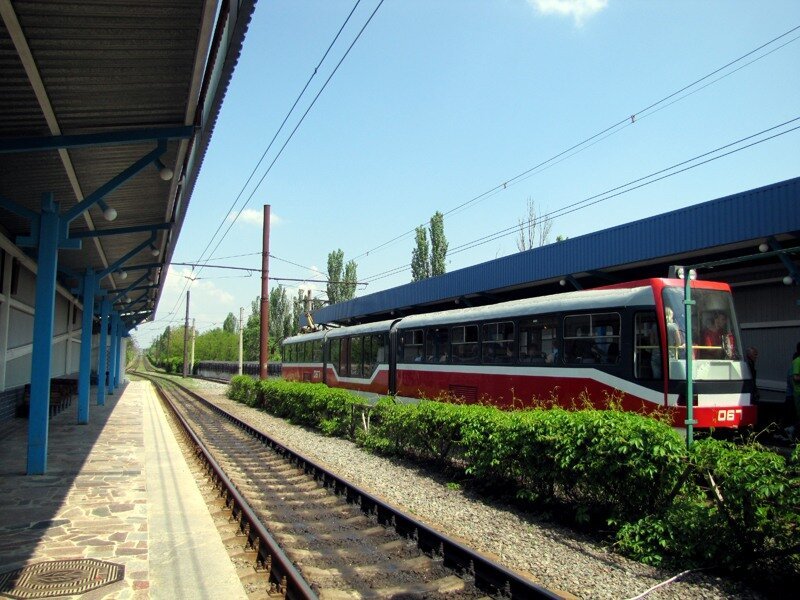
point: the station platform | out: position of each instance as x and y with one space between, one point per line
118 514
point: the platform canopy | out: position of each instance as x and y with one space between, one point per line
749 238
112 101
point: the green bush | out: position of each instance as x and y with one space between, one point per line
718 504
741 503
243 389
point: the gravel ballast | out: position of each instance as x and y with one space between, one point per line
558 558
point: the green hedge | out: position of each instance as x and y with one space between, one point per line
719 503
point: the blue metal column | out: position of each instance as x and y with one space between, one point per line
113 357
39 419
102 352
84 371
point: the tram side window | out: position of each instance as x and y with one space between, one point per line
464 343
382 348
367 358
437 344
411 346
538 341
372 344
344 365
498 342
334 352
356 346
289 354
592 339
317 346
646 346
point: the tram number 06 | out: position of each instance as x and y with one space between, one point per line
729 415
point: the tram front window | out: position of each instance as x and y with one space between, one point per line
715 332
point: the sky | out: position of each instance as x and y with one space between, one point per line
445 104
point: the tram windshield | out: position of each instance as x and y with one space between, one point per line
716 344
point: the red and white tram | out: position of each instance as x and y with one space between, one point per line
566 348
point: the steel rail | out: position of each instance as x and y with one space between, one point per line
281 572
488 575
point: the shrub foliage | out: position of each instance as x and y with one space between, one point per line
716 504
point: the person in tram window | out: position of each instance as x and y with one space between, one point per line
718 339
552 358
674 334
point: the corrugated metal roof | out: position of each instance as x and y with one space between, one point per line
70 68
630 251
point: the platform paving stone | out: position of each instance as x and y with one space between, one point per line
91 502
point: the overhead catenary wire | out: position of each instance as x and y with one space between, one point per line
627 121
616 191
280 128
297 126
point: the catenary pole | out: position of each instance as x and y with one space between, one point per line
241 337
264 347
186 339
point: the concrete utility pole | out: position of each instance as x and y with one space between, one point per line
264 348
241 337
186 338
194 335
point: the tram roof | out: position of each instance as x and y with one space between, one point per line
89 89
725 228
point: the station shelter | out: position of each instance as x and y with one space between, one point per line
106 112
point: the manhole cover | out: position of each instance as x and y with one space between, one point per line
59 578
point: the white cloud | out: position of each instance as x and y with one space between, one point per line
253 216
579 10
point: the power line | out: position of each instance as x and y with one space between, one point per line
616 191
300 122
258 270
280 128
603 134
253 172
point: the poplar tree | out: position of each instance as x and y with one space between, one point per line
438 245
342 278
420 263
350 280
335 274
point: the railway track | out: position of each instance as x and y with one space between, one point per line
317 535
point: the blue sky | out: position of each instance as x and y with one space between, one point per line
440 101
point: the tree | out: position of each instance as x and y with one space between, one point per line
335 268
229 326
535 231
251 336
280 314
350 280
342 279
420 263
217 344
438 245
424 265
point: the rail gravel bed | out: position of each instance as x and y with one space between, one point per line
557 557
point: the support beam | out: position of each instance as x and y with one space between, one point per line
116 181
84 386
84 140
102 352
111 268
120 231
39 416
112 350
116 324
